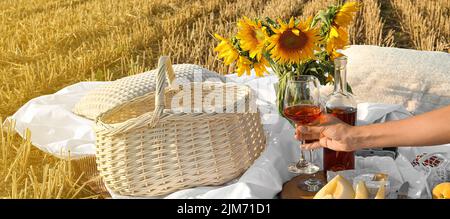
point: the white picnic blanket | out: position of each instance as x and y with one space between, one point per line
56 129
416 80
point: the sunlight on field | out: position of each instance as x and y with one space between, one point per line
46 45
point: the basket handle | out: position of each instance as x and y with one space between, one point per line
165 70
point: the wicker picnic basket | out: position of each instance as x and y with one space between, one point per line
116 93
146 148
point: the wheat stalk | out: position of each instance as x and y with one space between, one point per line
437 14
52 178
374 25
419 26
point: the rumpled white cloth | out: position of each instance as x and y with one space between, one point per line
55 129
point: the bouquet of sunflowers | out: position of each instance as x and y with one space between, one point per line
290 47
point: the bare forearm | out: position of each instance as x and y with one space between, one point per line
430 128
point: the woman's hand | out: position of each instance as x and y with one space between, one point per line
426 129
332 133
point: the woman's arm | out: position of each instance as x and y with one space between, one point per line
430 128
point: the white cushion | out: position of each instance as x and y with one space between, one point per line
418 80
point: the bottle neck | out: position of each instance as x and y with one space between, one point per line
340 79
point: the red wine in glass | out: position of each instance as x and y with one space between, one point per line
338 160
302 106
303 114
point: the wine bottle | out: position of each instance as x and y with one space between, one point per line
342 105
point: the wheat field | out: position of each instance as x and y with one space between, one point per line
46 45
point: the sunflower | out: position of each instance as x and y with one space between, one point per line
335 54
344 15
260 67
338 34
337 39
252 37
244 65
226 50
293 43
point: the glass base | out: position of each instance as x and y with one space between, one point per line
303 169
311 185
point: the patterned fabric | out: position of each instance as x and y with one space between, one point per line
432 161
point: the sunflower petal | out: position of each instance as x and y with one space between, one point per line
291 22
334 32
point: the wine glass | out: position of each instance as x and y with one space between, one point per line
302 106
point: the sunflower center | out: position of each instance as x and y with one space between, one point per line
290 41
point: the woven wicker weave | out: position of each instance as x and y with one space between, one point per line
91 176
123 90
145 149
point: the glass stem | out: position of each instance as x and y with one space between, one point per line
302 155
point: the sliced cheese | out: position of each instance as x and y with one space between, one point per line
361 191
337 188
381 191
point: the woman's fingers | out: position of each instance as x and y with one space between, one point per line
325 142
313 131
308 132
316 131
322 142
304 136
330 134
311 146
327 129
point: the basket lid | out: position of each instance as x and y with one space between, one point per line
176 100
